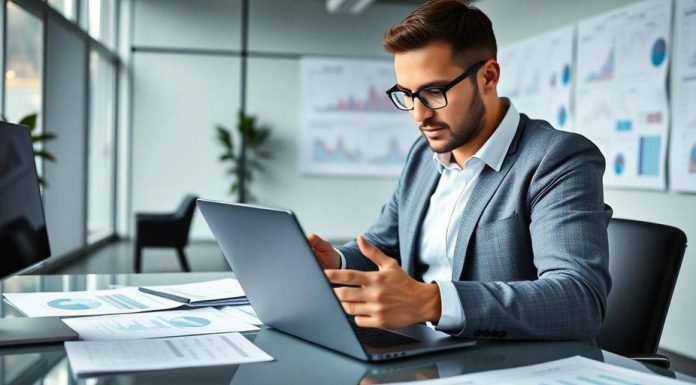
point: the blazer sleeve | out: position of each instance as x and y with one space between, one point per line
568 230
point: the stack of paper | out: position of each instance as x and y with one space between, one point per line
245 313
220 292
101 357
573 370
131 323
157 324
83 303
129 299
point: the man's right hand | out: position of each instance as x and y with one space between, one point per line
326 255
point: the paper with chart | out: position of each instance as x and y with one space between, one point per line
621 92
537 73
169 323
349 125
84 303
682 161
567 371
243 312
219 292
99 357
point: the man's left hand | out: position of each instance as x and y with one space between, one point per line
388 298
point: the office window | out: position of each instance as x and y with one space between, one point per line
24 60
100 182
67 7
101 20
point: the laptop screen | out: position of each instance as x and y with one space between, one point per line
23 237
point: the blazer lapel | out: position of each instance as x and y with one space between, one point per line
486 186
421 200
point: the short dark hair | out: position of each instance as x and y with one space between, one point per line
466 28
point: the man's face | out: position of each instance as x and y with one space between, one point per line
462 119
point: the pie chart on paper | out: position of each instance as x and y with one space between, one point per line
74 304
189 322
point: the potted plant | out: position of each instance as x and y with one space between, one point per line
243 153
37 138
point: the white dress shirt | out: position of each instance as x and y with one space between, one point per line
445 215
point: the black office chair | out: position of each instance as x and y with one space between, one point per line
644 261
165 230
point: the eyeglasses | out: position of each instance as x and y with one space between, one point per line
434 97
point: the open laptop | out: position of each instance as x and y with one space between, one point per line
271 257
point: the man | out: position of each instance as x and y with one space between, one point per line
497 227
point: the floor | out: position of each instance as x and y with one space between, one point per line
117 257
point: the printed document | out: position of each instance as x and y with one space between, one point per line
244 312
102 357
211 293
157 324
83 303
573 370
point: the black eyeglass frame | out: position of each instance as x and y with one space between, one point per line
443 89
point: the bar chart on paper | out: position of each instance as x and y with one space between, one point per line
349 125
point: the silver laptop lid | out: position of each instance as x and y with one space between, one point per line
272 260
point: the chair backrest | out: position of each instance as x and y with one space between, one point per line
644 261
184 213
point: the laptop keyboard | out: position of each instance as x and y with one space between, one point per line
380 338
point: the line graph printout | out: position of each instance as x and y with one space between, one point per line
349 125
621 91
682 159
537 73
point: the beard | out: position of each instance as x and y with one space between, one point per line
465 130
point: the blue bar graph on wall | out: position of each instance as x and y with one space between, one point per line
649 162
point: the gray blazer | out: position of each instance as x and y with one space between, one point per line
531 258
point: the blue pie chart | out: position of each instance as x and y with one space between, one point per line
189 322
74 304
659 52
566 74
562 116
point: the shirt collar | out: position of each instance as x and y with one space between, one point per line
496 147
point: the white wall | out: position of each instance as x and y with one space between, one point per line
515 20
179 98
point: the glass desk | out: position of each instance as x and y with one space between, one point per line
296 361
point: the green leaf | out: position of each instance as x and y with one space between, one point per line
224 137
44 154
43 137
42 181
29 121
233 188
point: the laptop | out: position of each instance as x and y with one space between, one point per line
271 257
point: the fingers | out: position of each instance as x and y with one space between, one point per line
348 277
357 308
351 294
369 322
317 243
373 254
